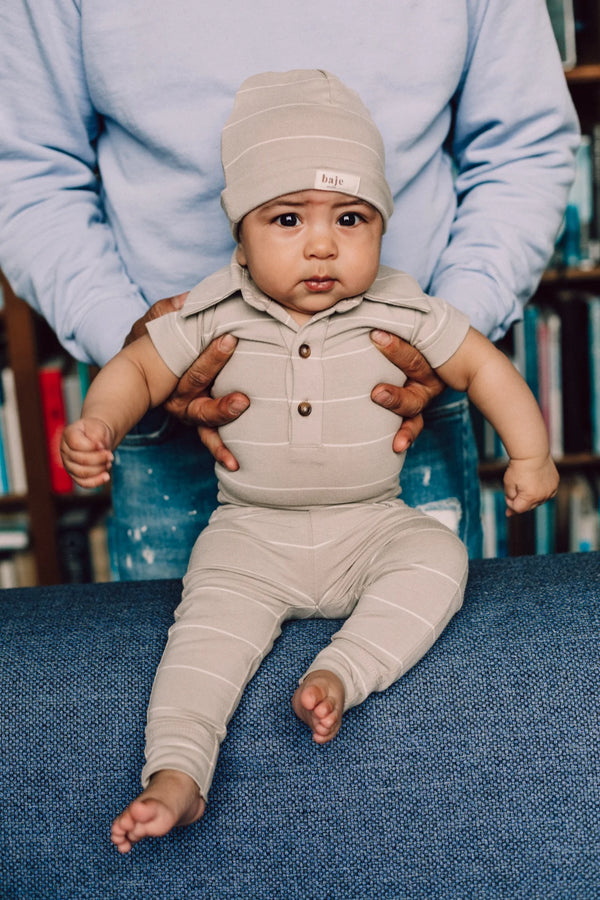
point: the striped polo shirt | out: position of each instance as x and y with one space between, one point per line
312 436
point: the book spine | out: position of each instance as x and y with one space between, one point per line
13 440
53 409
4 480
530 320
594 351
596 178
557 443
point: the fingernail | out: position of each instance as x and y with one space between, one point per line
238 406
384 398
227 343
381 337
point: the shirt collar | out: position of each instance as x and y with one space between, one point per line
390 286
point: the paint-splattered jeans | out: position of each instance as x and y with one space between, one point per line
164 488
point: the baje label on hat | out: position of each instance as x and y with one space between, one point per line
328 180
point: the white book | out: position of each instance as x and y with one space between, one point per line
14 532
594 347
488 522
72 395
550 379
11 431
8 573
583 516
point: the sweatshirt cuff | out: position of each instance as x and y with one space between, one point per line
102 330
490 308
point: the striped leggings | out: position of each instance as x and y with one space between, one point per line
394 574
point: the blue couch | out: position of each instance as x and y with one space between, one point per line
476 776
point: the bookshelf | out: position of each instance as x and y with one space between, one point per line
43 507
584 74
561 280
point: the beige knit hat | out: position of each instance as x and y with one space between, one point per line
295 131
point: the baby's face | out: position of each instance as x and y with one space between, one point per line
309 249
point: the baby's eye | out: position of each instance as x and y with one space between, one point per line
288 220
349 219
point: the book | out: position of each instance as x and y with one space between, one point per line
17 569
54 413
8 572
596 180
72 393
563 25
11 432
583 516
75 558
550 377
99 551
25 567
4 480
494 522
594 368
580 196
572 308
488 522
525 347
544 529
14 532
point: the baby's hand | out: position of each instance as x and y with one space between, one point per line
86 450
529 483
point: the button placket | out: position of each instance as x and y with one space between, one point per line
307 396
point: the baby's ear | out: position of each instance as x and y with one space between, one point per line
241 256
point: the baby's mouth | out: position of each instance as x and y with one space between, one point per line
319 284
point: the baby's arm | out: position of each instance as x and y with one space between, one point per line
501 394
132 382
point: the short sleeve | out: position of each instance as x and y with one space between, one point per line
439 332
175 339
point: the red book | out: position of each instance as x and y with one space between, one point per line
53 409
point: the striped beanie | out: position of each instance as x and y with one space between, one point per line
296 131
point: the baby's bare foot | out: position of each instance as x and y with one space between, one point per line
171 798
319 703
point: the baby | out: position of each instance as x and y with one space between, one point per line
311 523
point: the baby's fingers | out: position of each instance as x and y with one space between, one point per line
88 469
86 435
518 505
520 500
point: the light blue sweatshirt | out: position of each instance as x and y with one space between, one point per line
138 91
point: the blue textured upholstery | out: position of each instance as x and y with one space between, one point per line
476 776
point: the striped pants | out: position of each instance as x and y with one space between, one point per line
396 575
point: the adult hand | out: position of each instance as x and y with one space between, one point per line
421 386
191 401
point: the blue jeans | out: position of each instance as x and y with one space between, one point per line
440 474
164 488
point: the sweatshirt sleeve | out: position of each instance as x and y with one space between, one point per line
515 133
56 247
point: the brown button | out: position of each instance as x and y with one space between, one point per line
304 408
304 351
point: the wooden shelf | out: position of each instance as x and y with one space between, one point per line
494 468
13 503
571 276
587 74
19 329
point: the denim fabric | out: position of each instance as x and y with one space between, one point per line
440 473
474 777
164 488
